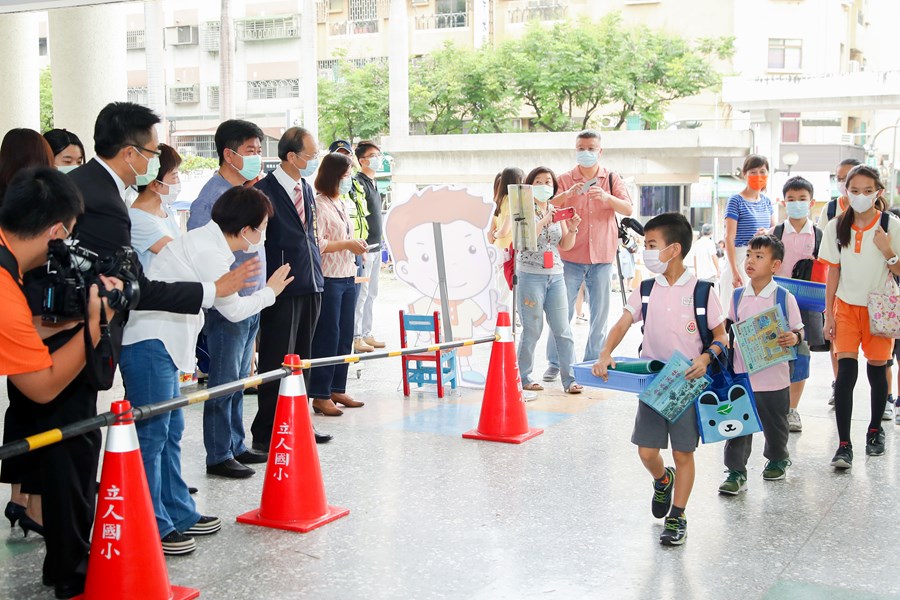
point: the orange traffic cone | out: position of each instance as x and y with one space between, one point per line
293 495
126 558
503 416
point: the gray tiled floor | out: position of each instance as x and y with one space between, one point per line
564 515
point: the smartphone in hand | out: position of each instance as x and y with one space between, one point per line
563 214
588 184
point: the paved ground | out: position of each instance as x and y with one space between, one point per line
564 515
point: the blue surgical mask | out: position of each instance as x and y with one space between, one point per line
67 168
150 174
346 184
311 166
586 158
252 166
542 193
374 162
797 210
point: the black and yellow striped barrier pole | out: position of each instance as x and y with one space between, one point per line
52 436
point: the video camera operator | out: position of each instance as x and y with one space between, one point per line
126 142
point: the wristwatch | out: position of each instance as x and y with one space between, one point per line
892 260
799 336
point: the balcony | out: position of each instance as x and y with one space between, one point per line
541 10
137 95
353 27
184 94
270 28
134 40
451 20
273 88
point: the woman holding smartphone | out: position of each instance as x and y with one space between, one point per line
542 287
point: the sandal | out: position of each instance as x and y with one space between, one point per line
533 387
574 389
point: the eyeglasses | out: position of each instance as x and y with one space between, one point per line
306 156
68 233
153 152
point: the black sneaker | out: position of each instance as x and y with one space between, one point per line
205 526
662 495
675 531
843 458
875 442
176 543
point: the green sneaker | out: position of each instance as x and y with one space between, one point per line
776 469
734 484
675 531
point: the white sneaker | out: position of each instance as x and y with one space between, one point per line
794 424
888 414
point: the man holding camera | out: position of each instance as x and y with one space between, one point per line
125 141
597 195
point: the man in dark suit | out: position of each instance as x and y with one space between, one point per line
290 238
125 141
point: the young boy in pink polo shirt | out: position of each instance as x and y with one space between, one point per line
771 386
801 241
670 324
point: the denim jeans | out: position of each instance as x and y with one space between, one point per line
231 348
596 282
536 296
333 337
150 376
368 292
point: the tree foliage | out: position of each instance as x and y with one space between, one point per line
46 100
354 103
567 75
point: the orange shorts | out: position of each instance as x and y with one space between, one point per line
851 324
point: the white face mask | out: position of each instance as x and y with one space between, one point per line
842 187
174 190
861 202
254 248
542 193
652 262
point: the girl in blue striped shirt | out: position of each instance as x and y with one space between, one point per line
745 214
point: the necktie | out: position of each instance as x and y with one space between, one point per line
298 203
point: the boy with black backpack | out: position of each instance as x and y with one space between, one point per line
678 313
801 241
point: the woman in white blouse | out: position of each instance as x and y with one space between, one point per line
153 222
334 329
157 345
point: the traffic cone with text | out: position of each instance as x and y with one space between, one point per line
503 416
126 559
293 495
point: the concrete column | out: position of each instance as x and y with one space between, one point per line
153 58
87 57
309 68
399 69
20 97
767 126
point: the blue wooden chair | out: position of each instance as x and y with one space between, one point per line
438 367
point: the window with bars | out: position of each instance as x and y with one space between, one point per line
329 68
542 10
450 13
134 40
137 95
269 28
184 94
273 88
785 54
212 96
211 36
196 145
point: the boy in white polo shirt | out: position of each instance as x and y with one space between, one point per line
801 241
671 324
771 386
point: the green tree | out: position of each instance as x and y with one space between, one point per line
456 90
563 72
354 103
46 100
656 68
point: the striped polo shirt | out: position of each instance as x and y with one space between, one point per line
750 216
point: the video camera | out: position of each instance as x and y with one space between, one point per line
628 241
73 269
